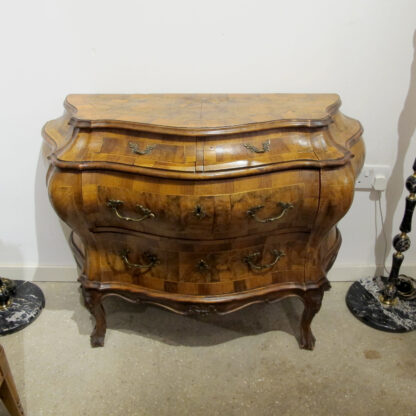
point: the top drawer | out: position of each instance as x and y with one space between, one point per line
201 136
166 152
202 210
250 150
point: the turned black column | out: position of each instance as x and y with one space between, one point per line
401 243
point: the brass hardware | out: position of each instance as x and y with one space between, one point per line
253 256
152 258
7 292
254 149
9 284
115 204
135 149
389 295
388 302
4 306
252 212
199 212
202 266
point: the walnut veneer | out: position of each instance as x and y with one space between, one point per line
8 392
203 203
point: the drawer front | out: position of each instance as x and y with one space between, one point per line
202 210
198 267
246 150
137 149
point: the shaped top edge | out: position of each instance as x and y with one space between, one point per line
201 114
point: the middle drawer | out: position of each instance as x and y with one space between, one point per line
205 209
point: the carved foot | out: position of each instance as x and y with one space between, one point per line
312 300
93 303
307 340
96 340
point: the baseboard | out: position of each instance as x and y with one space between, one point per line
353 272
40 273
339 273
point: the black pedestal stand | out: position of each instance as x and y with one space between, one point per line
20 303
389 303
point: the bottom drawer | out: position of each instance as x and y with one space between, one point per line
197 267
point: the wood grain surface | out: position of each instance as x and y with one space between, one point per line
203 203
201 114
183 157
8 391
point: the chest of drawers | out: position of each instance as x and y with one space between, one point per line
203 203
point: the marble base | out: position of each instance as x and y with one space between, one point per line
363 301
26 306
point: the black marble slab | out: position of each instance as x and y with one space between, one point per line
26 306
363 301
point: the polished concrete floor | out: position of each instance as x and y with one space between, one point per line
246 363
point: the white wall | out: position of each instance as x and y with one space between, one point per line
362 50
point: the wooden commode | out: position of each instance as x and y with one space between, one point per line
203 203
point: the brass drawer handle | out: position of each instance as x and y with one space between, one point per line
254 149
253 256
252 212
151 258
135 149
115 204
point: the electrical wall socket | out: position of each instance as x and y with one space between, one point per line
367 178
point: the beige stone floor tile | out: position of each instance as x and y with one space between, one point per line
245 363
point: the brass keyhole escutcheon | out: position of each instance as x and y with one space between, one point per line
199 212
202 266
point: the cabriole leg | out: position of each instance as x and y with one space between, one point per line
93 302
312 300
